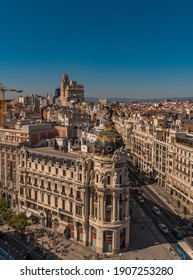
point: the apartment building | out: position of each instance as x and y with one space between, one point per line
180 167
162 150
10 142
83 195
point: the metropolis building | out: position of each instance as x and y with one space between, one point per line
84 196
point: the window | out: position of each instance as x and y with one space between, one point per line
72 175
49 199
56 170
120 179
63 189
108 216
42 167
96 197
21 191
97 178
21 179
120 214
78 195
79 210
70 207
108 199
64 172
36 195
63 204
80 177
108 180
56 201
42 195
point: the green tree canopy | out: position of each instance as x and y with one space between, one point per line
18 221
3 205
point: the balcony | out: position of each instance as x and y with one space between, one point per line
63 193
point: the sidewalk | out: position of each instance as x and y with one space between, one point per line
146 243
169 200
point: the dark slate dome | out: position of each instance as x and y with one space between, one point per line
108 141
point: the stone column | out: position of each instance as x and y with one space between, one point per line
114 207
117 207
99 240
102 208
75 230
99 208
84 234
116 242
127 234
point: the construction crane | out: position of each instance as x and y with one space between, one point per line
3 90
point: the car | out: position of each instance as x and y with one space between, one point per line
163 228
2 234
140 199
138 192
156 210
176 232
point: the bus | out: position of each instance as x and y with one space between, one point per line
184 250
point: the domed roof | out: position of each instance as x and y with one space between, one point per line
108 141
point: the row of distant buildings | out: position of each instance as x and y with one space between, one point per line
161 148
68 94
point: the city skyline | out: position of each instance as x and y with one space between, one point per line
133 50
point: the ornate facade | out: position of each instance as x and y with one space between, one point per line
84 196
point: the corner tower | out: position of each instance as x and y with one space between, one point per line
109 196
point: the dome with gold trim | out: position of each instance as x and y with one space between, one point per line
108 141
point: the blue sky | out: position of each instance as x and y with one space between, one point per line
125 48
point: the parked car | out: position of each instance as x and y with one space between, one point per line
2 234
163 228
176 232
138 192
140 199
156 210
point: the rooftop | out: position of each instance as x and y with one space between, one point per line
54 152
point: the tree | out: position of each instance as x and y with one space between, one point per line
178 203
3 205
18 221
5 213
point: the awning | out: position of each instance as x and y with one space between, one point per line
28 214
61 228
